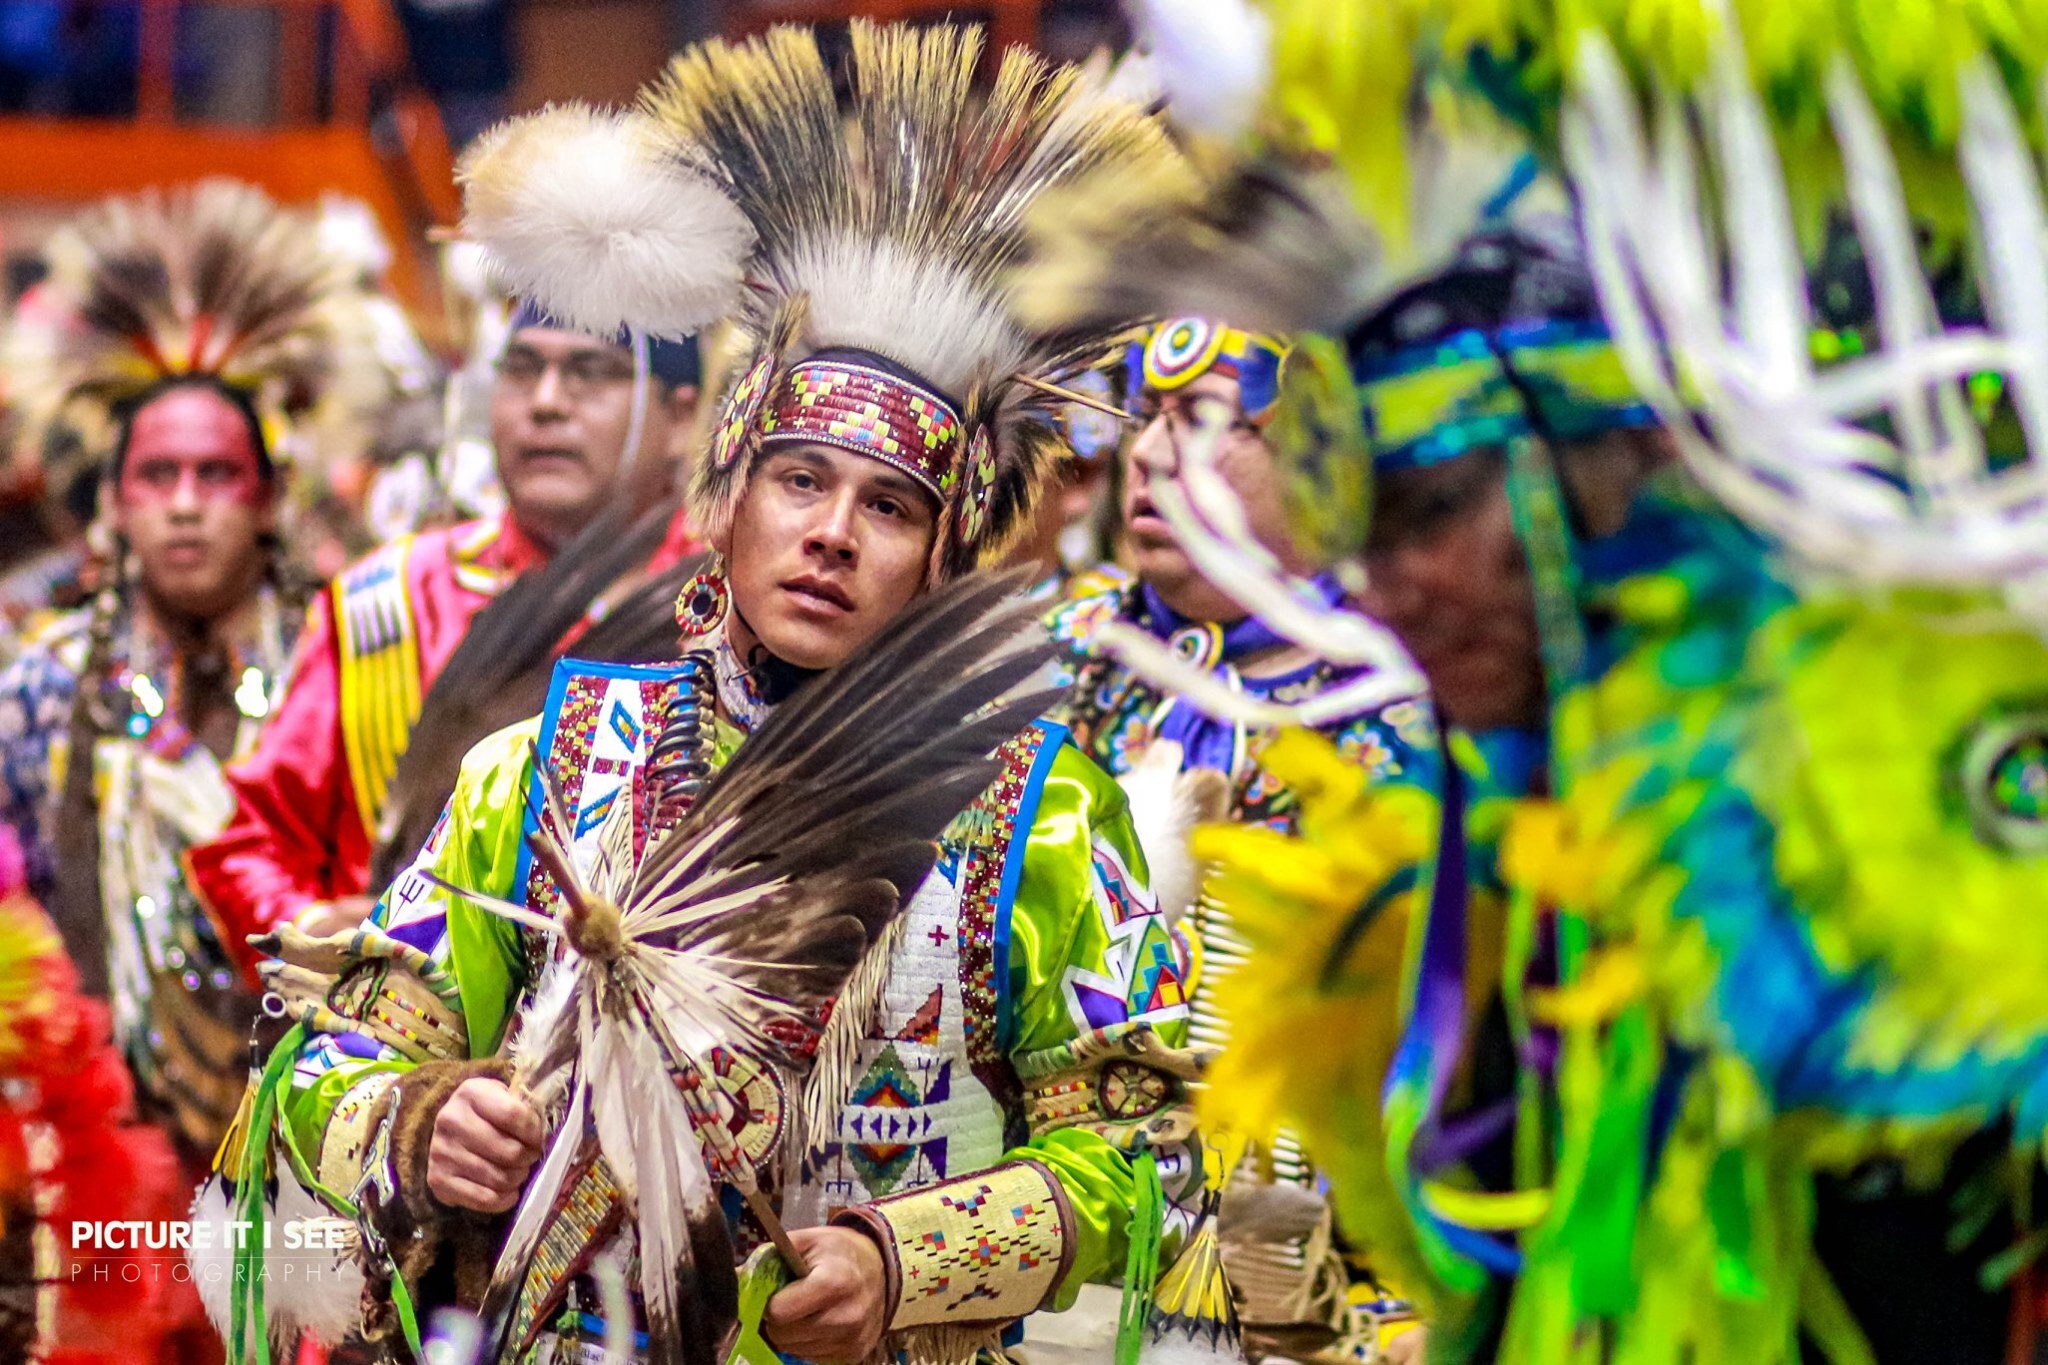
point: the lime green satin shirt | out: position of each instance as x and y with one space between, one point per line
1081 852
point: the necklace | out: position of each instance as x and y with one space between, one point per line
679 764
739 691
154 686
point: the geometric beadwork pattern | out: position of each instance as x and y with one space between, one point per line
985 1248
870 413
1143 976
1125 1084
935 1095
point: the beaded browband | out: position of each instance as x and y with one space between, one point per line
864 410
1181 350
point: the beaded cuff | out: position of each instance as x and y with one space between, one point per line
985 1248
870 413
346 1139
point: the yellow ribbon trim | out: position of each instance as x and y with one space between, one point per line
380 687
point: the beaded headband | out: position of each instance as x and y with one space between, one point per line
831 402
1181 350
1473 390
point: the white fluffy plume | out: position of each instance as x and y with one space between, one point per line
316 1291
1211 58
601 218
918 309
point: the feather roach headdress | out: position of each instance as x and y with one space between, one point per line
882 310
211 281
877 298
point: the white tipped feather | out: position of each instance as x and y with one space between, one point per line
1166 806
1869 470
542 1190
601 219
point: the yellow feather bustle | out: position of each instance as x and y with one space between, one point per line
1387 124
1313 1015
1345 76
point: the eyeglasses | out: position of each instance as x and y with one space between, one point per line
1184 416
585 374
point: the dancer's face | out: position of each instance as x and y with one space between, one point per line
561 408
1446 573
1242 460
826 546
193 502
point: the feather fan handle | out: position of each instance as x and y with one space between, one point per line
710 1113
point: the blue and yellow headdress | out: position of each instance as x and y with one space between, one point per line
1181 350
1505 350
1478 389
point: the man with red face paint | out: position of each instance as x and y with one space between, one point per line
172 671
116 719
310 797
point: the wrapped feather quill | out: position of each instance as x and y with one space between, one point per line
740 928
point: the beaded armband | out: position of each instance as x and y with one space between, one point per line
986 1248
1124 1083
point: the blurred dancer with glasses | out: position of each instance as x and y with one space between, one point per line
311 797
1296 1291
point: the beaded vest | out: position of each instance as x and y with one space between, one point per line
933 1093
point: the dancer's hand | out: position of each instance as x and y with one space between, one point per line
836 1312
485 1142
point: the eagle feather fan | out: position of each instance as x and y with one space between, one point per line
741 927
